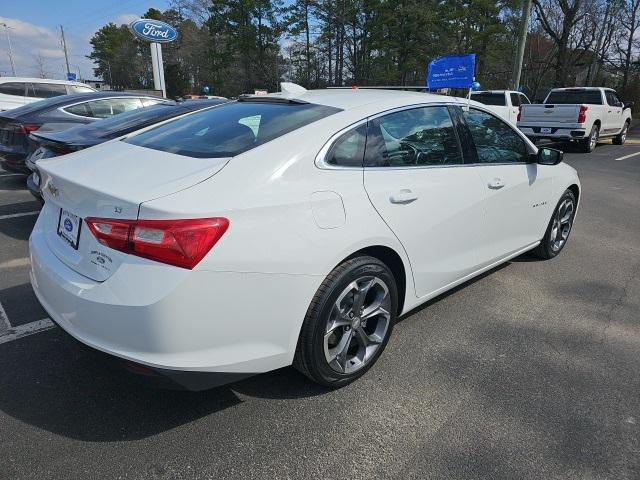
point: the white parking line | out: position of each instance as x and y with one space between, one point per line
5 326
15 263
12 175
25 330
627 156
16 215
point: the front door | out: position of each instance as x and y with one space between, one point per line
516 191
416 178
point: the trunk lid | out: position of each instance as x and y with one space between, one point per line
108 181
549 113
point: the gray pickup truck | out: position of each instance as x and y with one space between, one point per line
581 115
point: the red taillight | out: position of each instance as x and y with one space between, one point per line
182 243
519 113
582 114
23 129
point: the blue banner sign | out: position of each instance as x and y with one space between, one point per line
71 76
455 71
153 30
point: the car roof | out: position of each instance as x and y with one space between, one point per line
42 80
349 98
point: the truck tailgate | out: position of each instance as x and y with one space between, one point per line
549 114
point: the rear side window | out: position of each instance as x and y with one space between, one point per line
230 129
488 98
12 88
81 109
417 137
47 90
560 97
109 107
348 150
515 99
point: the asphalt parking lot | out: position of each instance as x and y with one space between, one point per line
531 371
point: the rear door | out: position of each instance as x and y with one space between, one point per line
416 178
515 191
614 113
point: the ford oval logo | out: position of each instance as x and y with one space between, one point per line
153 30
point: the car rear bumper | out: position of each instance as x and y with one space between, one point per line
34 188
560 133
166 318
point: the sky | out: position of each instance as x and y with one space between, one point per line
34 29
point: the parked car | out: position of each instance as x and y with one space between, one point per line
18 91
53 144
287 229
59 113
582 115
503 102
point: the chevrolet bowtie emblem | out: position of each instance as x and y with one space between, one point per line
52 189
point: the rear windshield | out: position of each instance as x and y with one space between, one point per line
489 98
230 129
592 97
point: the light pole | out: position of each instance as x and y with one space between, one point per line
6 30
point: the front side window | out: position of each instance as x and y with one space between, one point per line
231 128
348 149
12 88
523 99
416 137
612 99
47 90
495 141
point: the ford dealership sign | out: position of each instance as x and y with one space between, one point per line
153 30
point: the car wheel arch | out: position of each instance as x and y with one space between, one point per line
391 259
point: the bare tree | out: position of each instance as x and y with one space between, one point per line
570 26
40 65
630 26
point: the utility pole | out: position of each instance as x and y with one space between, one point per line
64 47
522 41
13 65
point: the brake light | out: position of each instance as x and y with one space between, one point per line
182 243
582 114
23 129
519 113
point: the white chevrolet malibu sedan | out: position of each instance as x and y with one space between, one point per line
291 228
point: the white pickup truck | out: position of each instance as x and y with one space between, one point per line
503 102
580 114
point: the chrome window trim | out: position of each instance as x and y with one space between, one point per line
320 157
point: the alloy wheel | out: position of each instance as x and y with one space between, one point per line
357 324
562 222
593 140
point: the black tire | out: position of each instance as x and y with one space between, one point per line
546 249
622 136
589 144
310 357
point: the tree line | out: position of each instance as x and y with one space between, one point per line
237 46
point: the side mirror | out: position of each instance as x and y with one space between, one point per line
549 156
627 105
